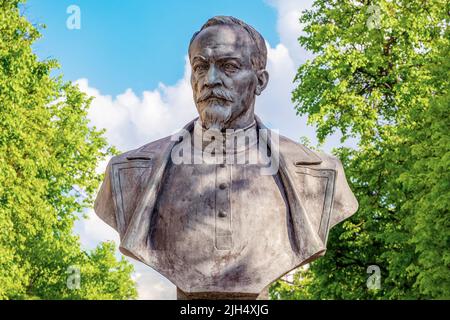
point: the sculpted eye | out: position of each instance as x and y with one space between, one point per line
230 67
200 67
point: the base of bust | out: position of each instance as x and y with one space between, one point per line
181 295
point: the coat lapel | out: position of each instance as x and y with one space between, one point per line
308 244
135 239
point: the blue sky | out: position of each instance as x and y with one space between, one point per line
137 43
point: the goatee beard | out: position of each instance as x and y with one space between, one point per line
215 117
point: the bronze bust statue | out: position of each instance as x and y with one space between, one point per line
226 206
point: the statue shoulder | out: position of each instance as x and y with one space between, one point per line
310 167
300 154
124 180
146 152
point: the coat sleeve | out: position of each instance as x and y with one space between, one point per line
344 201
104 205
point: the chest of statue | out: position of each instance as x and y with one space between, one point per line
216 218
223 228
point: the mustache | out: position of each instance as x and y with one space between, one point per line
215 93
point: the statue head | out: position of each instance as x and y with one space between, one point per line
228 59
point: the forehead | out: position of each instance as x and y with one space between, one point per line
222 40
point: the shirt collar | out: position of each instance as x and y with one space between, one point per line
229 141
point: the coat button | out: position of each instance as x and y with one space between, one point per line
222 186
222 214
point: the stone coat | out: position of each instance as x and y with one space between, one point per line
223 228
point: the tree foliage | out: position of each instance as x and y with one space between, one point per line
48 156
383 80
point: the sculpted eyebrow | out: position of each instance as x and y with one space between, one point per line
199 58
222 59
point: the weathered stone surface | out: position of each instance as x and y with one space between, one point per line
224 229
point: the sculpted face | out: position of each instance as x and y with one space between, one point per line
224 81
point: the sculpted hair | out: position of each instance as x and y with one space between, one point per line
259 60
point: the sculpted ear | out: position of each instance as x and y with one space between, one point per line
263 80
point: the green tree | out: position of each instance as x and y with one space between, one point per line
428 183
380 75
48 156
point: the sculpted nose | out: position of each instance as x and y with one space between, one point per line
213 77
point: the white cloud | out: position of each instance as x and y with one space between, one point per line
152 286
93 230
274 105
289 27
131 121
